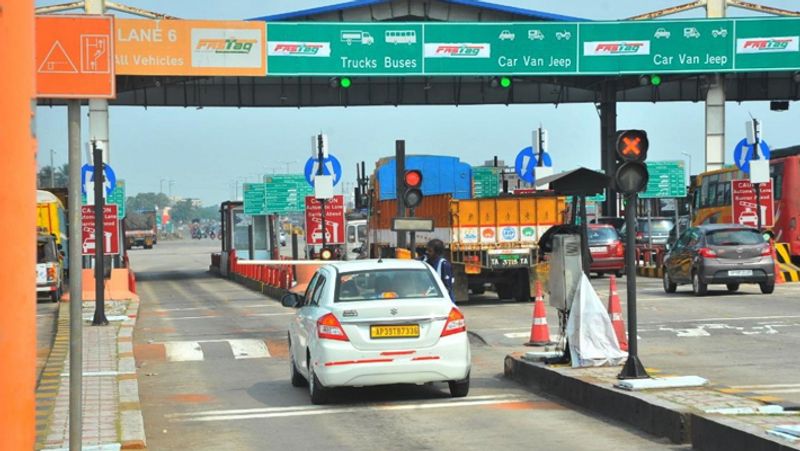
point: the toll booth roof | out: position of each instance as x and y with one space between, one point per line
577 182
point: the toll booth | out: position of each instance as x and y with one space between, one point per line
245 235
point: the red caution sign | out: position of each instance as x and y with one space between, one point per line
110 230
334 220
745 204
75 57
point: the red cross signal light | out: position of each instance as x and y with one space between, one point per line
632 145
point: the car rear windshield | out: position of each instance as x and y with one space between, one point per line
733 237
602 235
662 226
387 284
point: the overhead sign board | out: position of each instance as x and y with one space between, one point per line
254 199
110 230
534 48
286 193
190 47
334 220
74 57
744 199
667 179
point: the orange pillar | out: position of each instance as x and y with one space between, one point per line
18 208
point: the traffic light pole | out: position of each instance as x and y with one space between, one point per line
321 171
400 165
633 368
99 238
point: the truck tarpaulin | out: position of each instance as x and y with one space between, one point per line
591 337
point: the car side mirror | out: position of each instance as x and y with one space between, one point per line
291 300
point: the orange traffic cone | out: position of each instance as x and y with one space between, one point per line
540 333
615 313
778 272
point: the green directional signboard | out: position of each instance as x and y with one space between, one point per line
487 48
533 48
770 45
485 182
286 193
344 49
117 197
656 46
667 179
254 199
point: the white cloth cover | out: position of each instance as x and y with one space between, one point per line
592 341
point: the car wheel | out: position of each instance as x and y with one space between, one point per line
618 274
297 379
767 287
733 287
669 285
459 389
698 287
317 391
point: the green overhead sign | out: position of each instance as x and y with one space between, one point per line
286 193
667 179
254 199
117 197
533 48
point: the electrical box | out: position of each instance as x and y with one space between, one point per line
566 270
759 171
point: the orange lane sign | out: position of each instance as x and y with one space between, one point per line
190 47
75 57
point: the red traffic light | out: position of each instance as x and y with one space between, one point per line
412 178
632 145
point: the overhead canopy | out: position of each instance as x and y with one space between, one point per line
577 182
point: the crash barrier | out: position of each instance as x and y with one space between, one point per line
273 278
650 261
790 271
121 285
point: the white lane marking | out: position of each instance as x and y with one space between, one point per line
704 320
183 351
318 410
690 332
249 349
313 407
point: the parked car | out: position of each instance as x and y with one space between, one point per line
660 233
729 254
606 249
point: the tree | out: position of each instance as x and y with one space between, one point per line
60 177
147 201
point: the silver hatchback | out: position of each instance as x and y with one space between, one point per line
728 254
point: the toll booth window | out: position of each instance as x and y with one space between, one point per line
362 233
351 234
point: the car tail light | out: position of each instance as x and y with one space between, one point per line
639 235
619 249
329 327
455 323
51 273
707 253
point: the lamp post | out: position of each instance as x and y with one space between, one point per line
52 170
689 174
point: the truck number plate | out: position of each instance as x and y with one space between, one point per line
509 260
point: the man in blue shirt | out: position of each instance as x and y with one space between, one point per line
435 257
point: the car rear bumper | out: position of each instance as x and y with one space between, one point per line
720 273
608 264
339 364
46 288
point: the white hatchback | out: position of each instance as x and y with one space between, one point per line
376 322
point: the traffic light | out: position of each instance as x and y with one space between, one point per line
632 176
326 254
501 82
337 82
653 79
412 194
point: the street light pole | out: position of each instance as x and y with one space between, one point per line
689 156
52 170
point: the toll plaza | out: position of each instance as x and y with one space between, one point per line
381 53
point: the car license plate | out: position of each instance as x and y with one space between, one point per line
740 272
597 249
399 331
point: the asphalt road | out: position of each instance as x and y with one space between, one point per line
46 317
214 374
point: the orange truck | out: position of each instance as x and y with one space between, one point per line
492 242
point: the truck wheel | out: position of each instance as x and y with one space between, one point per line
477 289
504 290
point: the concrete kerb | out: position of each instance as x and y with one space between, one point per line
650 412
656 417
131 422
49 383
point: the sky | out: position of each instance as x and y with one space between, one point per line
207 152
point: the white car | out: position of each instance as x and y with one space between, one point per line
376 322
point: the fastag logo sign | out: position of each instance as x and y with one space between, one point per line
616 48
310 49
458 50
767 45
